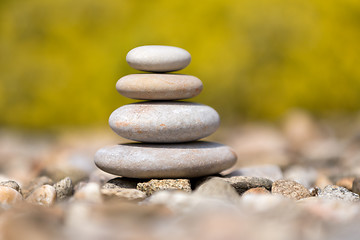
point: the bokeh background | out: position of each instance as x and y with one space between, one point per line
60 60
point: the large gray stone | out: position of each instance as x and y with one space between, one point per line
137 160
157 58
164 122
159 86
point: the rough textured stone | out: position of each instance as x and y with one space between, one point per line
44 195
123 193
272 172
158 58
187 160
257 190
9 196
64 189
11 184
346 182
36 183
164 122
217 188
155 185
290 189
242 184
159 86
335 192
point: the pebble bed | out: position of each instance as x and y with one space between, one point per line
284 186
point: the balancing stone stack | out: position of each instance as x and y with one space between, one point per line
167 130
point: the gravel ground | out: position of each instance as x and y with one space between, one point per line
297 181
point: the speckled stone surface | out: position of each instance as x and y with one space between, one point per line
155 185
159 86
158 58
137 160
164 122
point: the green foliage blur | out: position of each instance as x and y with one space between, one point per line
60 60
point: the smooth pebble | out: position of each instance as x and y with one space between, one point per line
44 195
164 122
158 58
9 196
137 160
159 86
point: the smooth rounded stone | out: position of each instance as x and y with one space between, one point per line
158 58
217 188
44 195
64 189
164 122
88 192
242 183
11 184
257 190
338 193
290 189
184 160
123 193
9 196
159 86
36 183
155 185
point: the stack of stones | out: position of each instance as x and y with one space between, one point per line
165 130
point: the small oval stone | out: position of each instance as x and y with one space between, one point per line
159 86
185 160
158 58
44 195
9 196
164 122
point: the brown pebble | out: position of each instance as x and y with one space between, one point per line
346 182
9 196
11 184
36 183
44 196
290 189
258 190
123 193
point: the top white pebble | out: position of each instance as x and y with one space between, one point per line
157 58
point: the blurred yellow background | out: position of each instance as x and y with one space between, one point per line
60 60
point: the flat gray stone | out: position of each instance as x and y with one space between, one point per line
164 122
157 58
121 182
159 86
242 183
185 160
